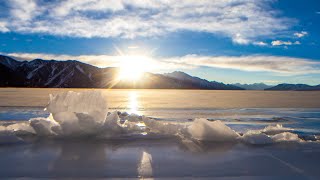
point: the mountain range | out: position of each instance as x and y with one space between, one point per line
294 87
254 86
75 74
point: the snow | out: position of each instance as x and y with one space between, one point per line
30 74
80 69
12 64
90 76
63 80
55 76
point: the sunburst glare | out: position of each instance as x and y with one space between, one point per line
133 67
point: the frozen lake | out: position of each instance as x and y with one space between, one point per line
166 156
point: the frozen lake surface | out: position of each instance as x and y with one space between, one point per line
259 135
159 158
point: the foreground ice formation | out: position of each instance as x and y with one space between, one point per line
204 130
85 114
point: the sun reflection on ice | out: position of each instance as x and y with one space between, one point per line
145 166
133 103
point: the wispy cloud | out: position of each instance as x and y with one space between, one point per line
286 43
271 82
300 34
101 60
244 21
96 60
256 63
260 43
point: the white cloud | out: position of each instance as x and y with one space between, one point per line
23 10
260 43
100 60
3 27
96 60
75 6
286 43
297 43
256 63
240 39
300 34
243 21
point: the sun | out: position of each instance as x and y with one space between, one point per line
132 68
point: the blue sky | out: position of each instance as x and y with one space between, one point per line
231 41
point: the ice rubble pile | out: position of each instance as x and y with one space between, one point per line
77 114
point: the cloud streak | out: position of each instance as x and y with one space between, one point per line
255 63
243 21
280 65
300 34
286 43
103 60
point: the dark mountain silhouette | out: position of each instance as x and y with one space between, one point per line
75 74
184 77
254 86
294 87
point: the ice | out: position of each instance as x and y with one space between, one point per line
112 126
286 137
44 126
145 166
85 113
256 138
204 130
162 127
7 136
91 103
75 114
21 129
259 137
278 128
